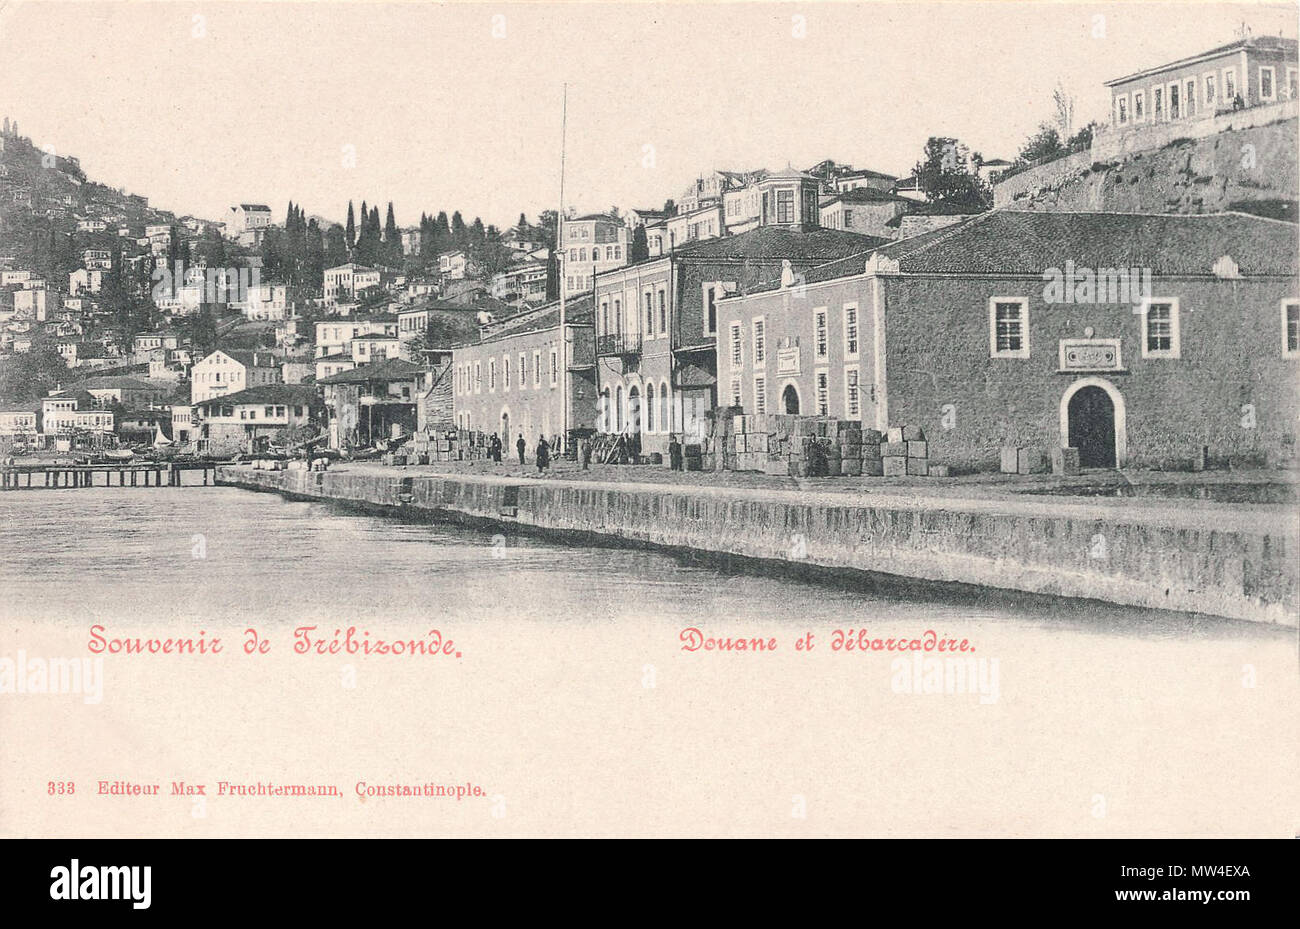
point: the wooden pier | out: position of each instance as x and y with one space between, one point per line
126 474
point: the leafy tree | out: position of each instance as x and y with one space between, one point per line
944 171
31 375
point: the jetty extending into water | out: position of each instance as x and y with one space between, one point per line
1219 559
54 476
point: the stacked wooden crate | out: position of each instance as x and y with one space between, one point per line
905 452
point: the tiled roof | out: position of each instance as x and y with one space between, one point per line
867 195
1267 43
266 393
779 242
395 369
1029 242
578 311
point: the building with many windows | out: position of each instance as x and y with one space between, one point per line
657 322
591 244
508 382
1251 71
1137 339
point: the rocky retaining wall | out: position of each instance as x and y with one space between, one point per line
1166 557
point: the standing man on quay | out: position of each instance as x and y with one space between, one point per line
521 445
674 453
543 454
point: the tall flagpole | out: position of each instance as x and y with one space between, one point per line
559 240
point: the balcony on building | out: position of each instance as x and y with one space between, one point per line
621 344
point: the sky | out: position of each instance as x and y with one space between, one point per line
458 105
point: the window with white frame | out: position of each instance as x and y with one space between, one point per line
478 377
537 368
1173 102
1292 90
523 371
852 399
1267 83
492 375
1160 336
850 330
649 314
1210 93
819 332
760 340
1229 85
710 310
1121 109
1009 327
505 372
1157 104
1139 106
555 367
737 348
735 390
1189 104
760 393
1291 328
663 311
823 381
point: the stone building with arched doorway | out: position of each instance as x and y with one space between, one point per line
1142 340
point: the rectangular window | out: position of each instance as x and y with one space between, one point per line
1174 111
760 393
760 341
819 327
505 372
737 350
1009 327
852 403
1267 85
1139 105
1158 103
663 311
1292 84
1121 109
555 367
1229 85
478 377
785 206
523 371
1291 328
537 368
649 314
492 375
823 393
1211 86
850 330
1160 337
1189 103
735 390
710 310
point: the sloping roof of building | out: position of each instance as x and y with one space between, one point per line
578 311
1269 43
266 393
395 369
780 242
1031 242
259 207
867 195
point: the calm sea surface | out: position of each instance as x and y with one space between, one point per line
209 552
